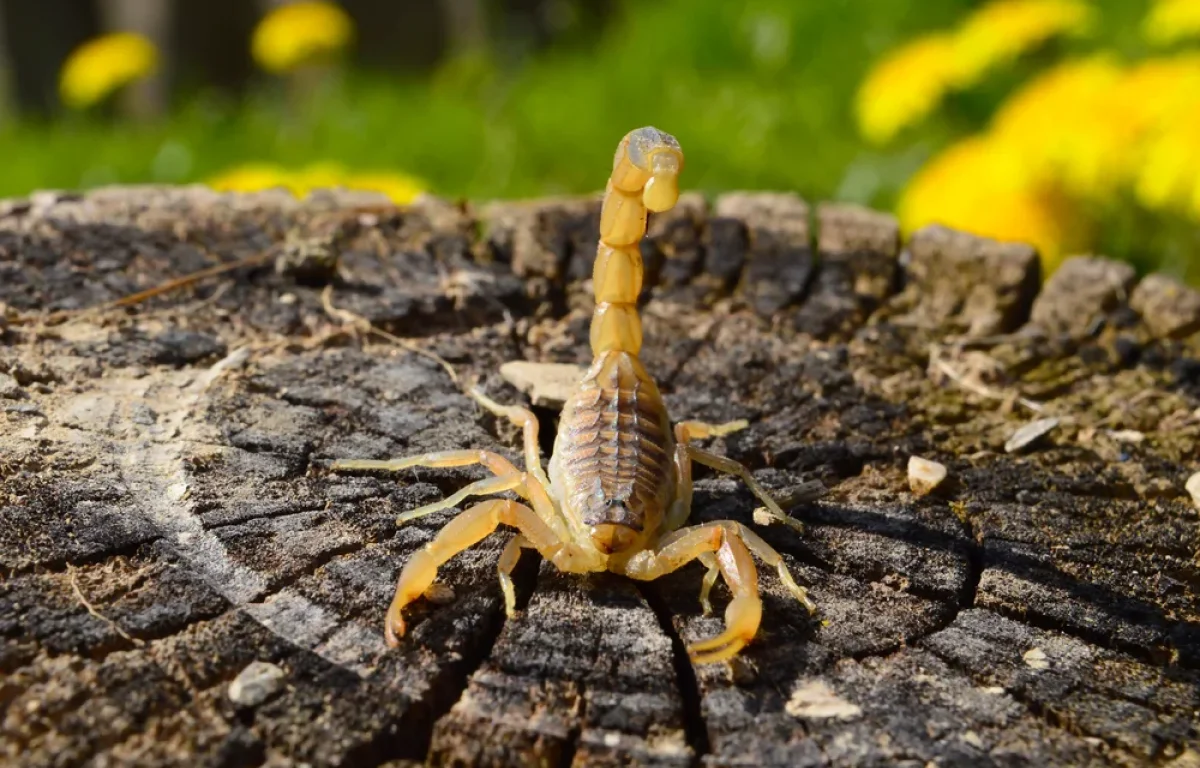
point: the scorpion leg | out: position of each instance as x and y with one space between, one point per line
681 508
723 542
698 430
725 547
499 465
508 561
483 487
686 453
726 464
464 531
521 417
685 432
535 493
714 570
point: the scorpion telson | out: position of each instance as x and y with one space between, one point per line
619 489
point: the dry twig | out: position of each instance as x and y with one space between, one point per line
92 609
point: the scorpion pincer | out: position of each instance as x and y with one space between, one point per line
619 489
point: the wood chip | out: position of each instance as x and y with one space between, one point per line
924 476
547 384
815 700
1029 434
1127 436
1193 488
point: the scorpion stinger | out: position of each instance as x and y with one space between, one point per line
619 488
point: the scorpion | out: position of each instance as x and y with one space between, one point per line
619 490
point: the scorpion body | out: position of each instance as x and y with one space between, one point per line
619 488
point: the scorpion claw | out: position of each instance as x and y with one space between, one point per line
393 629
741 624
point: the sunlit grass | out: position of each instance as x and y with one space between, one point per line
759 94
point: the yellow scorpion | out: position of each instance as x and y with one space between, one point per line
619 490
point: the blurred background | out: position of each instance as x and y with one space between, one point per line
1071 124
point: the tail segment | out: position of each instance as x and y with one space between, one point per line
645 178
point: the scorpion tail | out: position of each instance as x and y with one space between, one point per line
645 178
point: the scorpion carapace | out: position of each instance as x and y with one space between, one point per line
619 489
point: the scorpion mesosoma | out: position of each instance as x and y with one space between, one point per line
619 489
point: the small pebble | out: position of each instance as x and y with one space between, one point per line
1193 488
924 476
256 683
1035 658
1029 434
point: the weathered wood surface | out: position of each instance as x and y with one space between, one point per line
166 466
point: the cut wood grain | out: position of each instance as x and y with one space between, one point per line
169 461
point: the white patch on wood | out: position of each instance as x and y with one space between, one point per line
814 700
1035 658
150 455
294 617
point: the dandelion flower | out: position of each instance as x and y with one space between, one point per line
1002 30
1084 122
299 33
1170 21
400 188
978 186
905 87
323 175
103 65
253 177
1170 172
1064 125
1159 90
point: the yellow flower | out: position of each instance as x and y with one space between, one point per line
1170 173
400 188
101 66
1083 123
905 87
252 177
1159 90
325 175
1064 126
300 33
1170 21
978 186
1004 29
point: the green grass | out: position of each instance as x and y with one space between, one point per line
758 93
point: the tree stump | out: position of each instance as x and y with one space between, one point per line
185 582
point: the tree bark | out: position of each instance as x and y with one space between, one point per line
168 516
